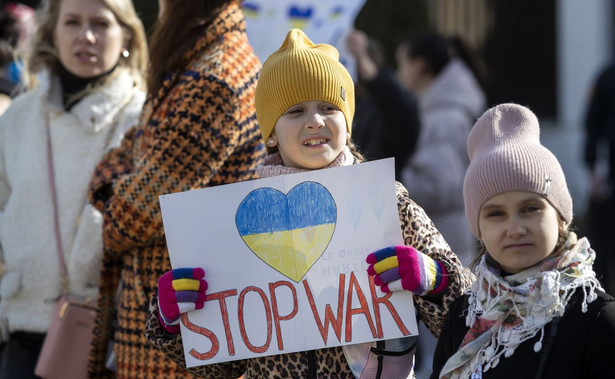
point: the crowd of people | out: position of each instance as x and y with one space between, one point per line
108 121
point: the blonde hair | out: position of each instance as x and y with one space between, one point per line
43 54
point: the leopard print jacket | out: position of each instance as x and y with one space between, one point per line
418 231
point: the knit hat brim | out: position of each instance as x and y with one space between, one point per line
506 155
302 71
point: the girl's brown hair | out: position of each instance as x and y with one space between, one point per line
175 31
354 149
43 54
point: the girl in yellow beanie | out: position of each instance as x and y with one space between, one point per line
304 106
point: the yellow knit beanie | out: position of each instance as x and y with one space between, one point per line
301 71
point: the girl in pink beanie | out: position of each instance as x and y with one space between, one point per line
536 309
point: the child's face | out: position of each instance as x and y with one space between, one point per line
310 134
519 229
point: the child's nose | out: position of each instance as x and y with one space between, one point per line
315 120
516 228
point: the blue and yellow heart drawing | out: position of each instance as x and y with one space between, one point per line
288 232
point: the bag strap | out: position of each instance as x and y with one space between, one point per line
54 198
53 189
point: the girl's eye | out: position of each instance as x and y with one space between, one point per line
294 111
531 208
495 213
71 22
330 108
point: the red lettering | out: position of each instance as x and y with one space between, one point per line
385 300
221 297
332 319
337 324
215 345
363 309
276 315
242 325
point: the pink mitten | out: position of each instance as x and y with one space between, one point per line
179 291
404 267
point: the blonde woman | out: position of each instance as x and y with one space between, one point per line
85 89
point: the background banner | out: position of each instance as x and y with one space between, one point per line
323 21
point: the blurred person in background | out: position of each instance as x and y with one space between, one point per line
84 90
386 122
446 76
599 158
198 129
9 35
23 13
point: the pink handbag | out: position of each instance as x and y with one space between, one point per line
66 349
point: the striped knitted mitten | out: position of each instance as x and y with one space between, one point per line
403 267
179 291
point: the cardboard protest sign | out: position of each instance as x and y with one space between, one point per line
284 258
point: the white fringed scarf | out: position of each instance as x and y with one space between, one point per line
506 311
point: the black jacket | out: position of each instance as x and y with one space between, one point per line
386 121
600 119
578 345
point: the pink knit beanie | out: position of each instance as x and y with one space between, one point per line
506 155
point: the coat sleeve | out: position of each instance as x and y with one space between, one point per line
118 157
172 346
188 139
451 335
599 358
420 232
599 113
115 163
